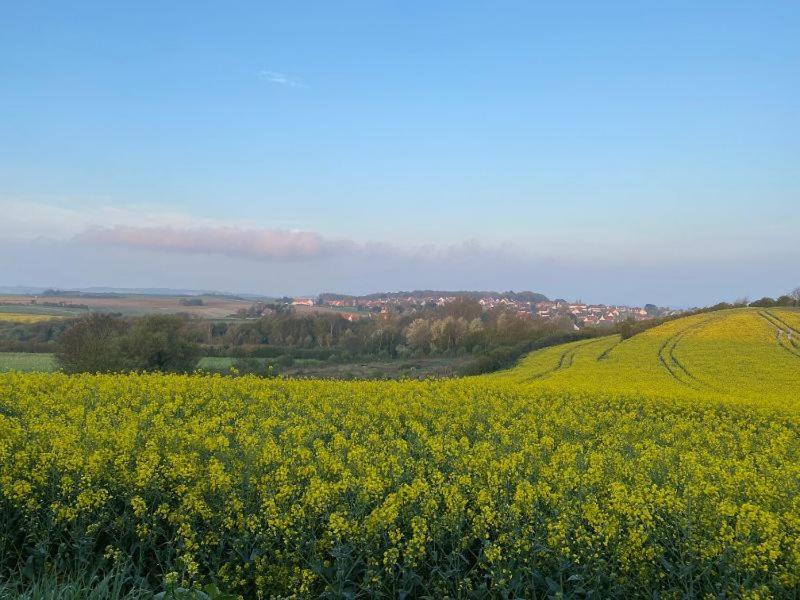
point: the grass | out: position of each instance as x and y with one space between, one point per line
412 368
27 362
392 369
216 363
417 368
113 586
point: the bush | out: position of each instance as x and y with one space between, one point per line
284 360
159 343
93 345
763 303
191 302
105 343
250 366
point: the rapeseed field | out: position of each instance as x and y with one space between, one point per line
25 317
665 465
740 355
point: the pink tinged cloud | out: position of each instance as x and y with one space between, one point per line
279 244
232 241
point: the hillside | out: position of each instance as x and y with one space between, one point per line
746 353
602 468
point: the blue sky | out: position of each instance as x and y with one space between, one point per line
619 152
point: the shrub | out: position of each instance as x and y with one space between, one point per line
93 345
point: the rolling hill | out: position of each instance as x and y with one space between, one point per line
744 354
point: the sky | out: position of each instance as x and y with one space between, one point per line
619 152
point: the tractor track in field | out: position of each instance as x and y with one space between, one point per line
565 360
795 333
607 352
670 362
667 360
569 357
787 337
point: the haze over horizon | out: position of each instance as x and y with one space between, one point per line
620 154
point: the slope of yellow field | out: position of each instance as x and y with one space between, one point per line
746 354
25 318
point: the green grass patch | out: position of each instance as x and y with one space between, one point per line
27 361
216 363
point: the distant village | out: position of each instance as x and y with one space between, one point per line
526 305
529 305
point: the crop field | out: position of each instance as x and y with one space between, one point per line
743 354
213 307
664 465
12 317
38 310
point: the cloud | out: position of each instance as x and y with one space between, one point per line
278 78
279 244
153 228
225 240
145 245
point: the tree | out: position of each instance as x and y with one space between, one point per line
795 295
93 345
160 343
464 307
476 325
418 335
448 333
764 302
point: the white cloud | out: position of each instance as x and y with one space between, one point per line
279 78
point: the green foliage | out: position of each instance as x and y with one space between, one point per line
106 343
763 302
118 583
767 302
93 345
159 343
207 592
454 329
46 585
31 337
191 302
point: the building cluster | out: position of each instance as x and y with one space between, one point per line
387 302
303 302
587 315
583 315
488 302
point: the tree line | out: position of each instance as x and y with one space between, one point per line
101 342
